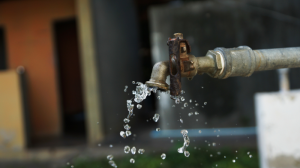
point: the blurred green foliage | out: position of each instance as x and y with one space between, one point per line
208 157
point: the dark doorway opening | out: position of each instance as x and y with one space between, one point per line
3 65
70 82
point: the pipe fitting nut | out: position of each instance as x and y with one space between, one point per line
219 62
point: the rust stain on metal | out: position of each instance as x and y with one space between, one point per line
259 55
174 66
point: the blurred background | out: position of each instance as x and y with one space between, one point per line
64 65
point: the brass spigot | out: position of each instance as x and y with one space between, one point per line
218 63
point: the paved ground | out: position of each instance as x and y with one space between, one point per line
55 157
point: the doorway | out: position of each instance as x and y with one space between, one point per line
3 65
69 74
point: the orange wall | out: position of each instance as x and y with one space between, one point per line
29 41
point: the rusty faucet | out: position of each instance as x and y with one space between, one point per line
218 63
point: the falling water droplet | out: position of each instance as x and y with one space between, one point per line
181 120
196 113
185 104
110 157
197 104
126 149
141 151
186 153
133 150
111 146
156 117
158 97
132 160
127 127
163 156
182 98
128 133
190 114
233 161
138 106
126 120
250 156
123 134
205 103
133 82
157 129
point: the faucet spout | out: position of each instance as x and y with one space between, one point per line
159 75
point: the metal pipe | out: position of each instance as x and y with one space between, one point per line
278 58
243 61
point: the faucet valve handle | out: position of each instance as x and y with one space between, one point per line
174 66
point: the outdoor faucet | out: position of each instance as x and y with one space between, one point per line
219 63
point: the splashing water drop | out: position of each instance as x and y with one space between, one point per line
126 149
133 82
110 157
190 114
177 101
156 117
123 134
182 98
112 163
133 150
196 113
163 156
126 120
205 103
185 104
127 127
250 156
132 160
128 133
138 106
180 150
186 153
141 151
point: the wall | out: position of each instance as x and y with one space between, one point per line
29 41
